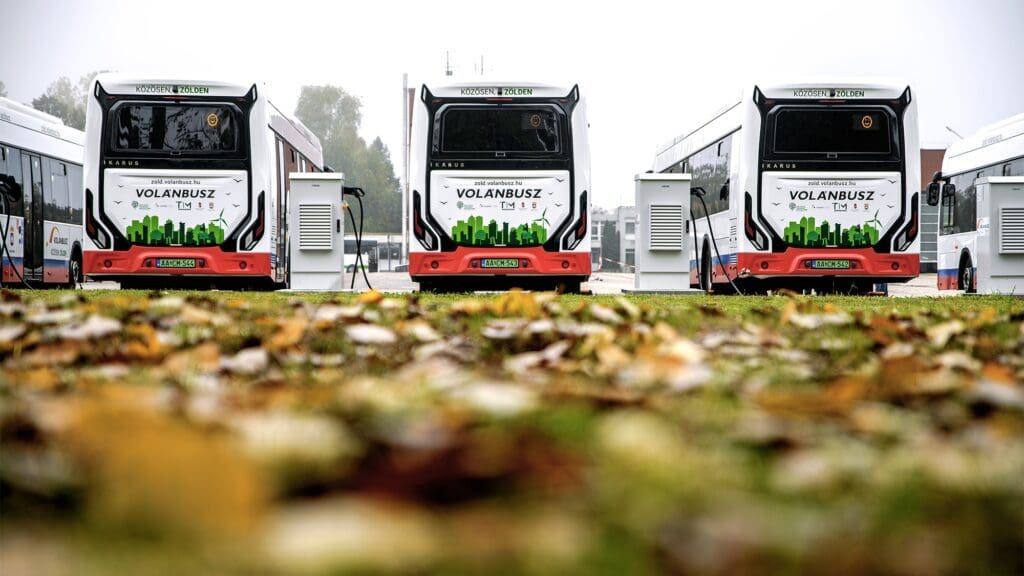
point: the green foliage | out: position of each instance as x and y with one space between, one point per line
66 100
335 115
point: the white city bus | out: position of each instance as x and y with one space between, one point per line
805 185
41 183
996 150
188 179
499 186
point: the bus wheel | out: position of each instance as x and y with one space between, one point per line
568 287
75 270
705 269
967 275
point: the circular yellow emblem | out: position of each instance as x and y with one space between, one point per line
212 120
867 122
535 120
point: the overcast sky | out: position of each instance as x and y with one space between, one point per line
650 70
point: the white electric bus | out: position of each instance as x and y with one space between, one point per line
804 185
499 186
188 179
41 208
996 150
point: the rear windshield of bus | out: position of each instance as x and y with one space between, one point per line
512 130
822 132
175 128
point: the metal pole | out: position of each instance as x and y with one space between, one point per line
405 162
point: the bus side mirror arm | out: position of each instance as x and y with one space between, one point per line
933 194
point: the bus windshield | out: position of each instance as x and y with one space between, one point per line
838 131
175 128
494 129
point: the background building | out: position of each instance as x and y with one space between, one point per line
931 162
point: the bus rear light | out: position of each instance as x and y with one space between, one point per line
565 264
895 265
92 227
255 232
243 265
764 264
907 236
107 263
579 228
434 264
753 232
425 237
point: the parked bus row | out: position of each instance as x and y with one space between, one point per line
804 185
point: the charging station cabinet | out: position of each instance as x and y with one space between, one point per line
316 225
1000 214
662 233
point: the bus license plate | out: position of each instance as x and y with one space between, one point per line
499 263
175 262
830 264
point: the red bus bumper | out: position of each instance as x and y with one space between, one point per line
532 262
797 262
141 260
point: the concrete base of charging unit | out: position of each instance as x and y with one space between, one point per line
322 290
664 292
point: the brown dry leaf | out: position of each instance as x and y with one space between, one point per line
370 297
41 378
836 398
999 373
517 303
145 344
204 358
151 475
289 333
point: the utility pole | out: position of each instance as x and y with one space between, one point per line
405 171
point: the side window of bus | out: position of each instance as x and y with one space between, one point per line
75 193
10 181
963 203
56 204
1015 168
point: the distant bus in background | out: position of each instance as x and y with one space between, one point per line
805 185
188 179
996 150
41 183
499 187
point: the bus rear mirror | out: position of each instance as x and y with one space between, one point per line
933 194
948 190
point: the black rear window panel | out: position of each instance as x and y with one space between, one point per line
832 132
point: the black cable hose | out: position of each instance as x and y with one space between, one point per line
6 227
715 244
358 193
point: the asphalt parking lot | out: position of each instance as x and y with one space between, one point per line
600 283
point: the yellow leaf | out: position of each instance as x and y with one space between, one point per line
370 297
289 333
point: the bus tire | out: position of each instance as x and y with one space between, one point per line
705 268
966 275
75 269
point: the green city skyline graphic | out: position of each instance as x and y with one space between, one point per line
806 232
472 231
148 231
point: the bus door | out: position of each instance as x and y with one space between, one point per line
32 172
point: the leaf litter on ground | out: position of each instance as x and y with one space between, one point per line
519 433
